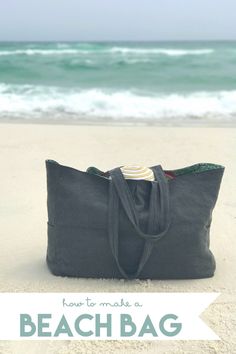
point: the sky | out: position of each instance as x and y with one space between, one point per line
46 20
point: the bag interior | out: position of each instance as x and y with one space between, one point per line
197 168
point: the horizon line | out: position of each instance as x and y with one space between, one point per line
114 40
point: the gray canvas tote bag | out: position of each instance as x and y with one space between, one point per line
101 225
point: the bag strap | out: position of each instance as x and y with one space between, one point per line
119 192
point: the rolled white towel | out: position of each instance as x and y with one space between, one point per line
137 172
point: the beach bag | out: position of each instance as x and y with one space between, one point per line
101 225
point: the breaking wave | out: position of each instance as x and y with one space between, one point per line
32 101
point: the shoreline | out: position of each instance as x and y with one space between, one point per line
128 122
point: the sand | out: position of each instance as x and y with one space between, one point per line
24 148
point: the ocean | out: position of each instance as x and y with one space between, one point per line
119 81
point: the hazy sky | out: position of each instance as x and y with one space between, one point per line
117 19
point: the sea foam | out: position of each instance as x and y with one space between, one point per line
161 51
33 101
65 50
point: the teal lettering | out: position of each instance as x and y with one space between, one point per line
126 320
25 320
63 328
42 325
77 325
100 325
147 327
177 326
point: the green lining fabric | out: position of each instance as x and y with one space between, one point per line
94 171
198 168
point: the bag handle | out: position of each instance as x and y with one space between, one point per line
119 191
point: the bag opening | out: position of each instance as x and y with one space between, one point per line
197 168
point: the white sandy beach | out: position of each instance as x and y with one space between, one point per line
23 150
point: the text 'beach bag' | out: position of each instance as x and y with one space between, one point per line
101 225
